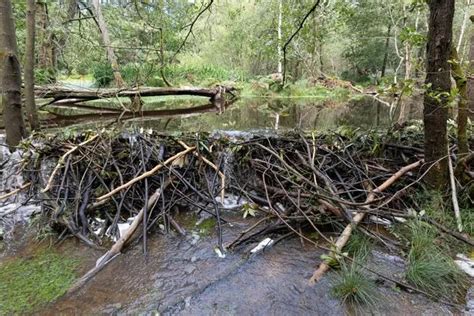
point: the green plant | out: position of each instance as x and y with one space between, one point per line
359 246
429 268
45 76
26 284
436 274
352 287
103 74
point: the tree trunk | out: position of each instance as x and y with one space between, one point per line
29 75
402 117
461 83
280 53
435 111
47 50
470 77
385 56
463 25
72 9
11 77
108 46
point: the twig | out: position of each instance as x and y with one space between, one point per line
26 185
62 160
345 235
146 174
454 196
212 165
117 247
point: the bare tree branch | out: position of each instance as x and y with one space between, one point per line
190 31
313 8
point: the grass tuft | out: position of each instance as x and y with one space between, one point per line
359 246
354 288
429 268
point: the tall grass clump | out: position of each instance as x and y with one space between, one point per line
350 284
354 288
429 268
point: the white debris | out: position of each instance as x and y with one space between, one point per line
280 207
465 264
123 228
231 201
195 238
219 253
380 221
262 245
400 219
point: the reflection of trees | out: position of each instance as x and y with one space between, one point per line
365 113
304 114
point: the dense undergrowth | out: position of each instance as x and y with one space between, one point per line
209 75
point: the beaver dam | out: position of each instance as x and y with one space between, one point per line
235 222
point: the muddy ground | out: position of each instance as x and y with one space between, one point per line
183 275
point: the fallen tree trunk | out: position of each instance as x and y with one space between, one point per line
75 95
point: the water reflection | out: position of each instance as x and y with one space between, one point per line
305 114
175 114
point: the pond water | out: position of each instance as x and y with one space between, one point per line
194 114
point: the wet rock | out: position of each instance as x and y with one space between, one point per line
470 301
189 269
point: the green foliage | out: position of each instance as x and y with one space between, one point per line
102 74
434 204
411 36
429 268
207 75
354 288
207 226
44 76
359 246
26 284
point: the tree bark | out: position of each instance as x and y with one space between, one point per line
385 56
461 83
29 75
11 77
47 59
463 25
470 76
438 81
106 39
280 53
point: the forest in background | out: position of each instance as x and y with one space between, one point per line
203 43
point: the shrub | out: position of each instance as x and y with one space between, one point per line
103 74
45 75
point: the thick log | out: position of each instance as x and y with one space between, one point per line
62 93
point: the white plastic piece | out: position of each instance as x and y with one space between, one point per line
262 245
465 264
219 253
380 221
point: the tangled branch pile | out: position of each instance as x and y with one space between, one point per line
297 184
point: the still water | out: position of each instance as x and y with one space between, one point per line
194 114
